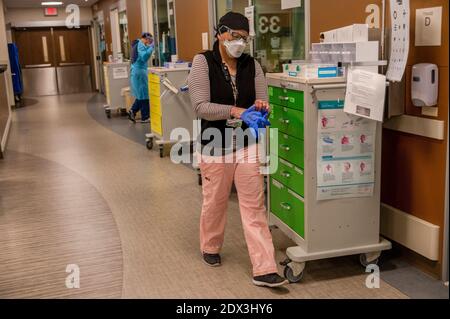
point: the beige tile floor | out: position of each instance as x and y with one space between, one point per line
153 205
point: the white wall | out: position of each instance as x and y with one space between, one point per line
21 15
9 36
147 19
4 56
149 16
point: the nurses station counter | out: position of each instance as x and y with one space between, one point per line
325 194
170 106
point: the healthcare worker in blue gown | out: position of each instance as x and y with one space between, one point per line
142 50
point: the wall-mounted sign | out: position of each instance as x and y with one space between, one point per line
50 12
250 14
290 4
429 27
272 23
400 13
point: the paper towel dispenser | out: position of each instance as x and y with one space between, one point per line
425 84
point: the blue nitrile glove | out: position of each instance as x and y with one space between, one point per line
264 112
264 122
263 118
251 118
255 120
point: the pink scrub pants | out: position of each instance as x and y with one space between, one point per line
218 174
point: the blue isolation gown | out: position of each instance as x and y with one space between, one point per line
139 74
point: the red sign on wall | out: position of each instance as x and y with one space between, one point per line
50 12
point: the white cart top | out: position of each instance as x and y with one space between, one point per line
113 64
284 77
161 70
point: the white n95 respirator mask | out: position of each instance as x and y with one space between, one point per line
235 48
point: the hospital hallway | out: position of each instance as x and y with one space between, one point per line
76 189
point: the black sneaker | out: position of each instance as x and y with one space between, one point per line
212 260
131 116
144 121
270 280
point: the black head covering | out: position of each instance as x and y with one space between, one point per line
235 21
146 35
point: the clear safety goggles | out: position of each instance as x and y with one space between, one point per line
235 34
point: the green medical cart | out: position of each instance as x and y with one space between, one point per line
320 228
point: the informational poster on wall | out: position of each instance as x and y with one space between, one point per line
400 12
120 73
290 4
250 14
345 153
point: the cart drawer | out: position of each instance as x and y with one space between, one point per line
295 100
155 105
289 175
288 148
278 96
287 206
287 121
153 78
154 89
285 97
156 123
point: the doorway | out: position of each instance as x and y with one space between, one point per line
165 31
55 60
100 51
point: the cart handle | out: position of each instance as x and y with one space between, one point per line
285 174
285 206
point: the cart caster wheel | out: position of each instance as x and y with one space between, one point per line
149 144
108 113
200 181
289 275
161 152
365 263
123 112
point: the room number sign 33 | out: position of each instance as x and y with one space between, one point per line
270 24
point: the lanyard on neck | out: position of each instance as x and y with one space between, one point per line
235 90
229 79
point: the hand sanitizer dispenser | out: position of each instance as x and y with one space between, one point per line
424 87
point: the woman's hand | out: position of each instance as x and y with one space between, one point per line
236 112
262 106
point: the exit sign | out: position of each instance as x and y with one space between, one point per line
50 12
